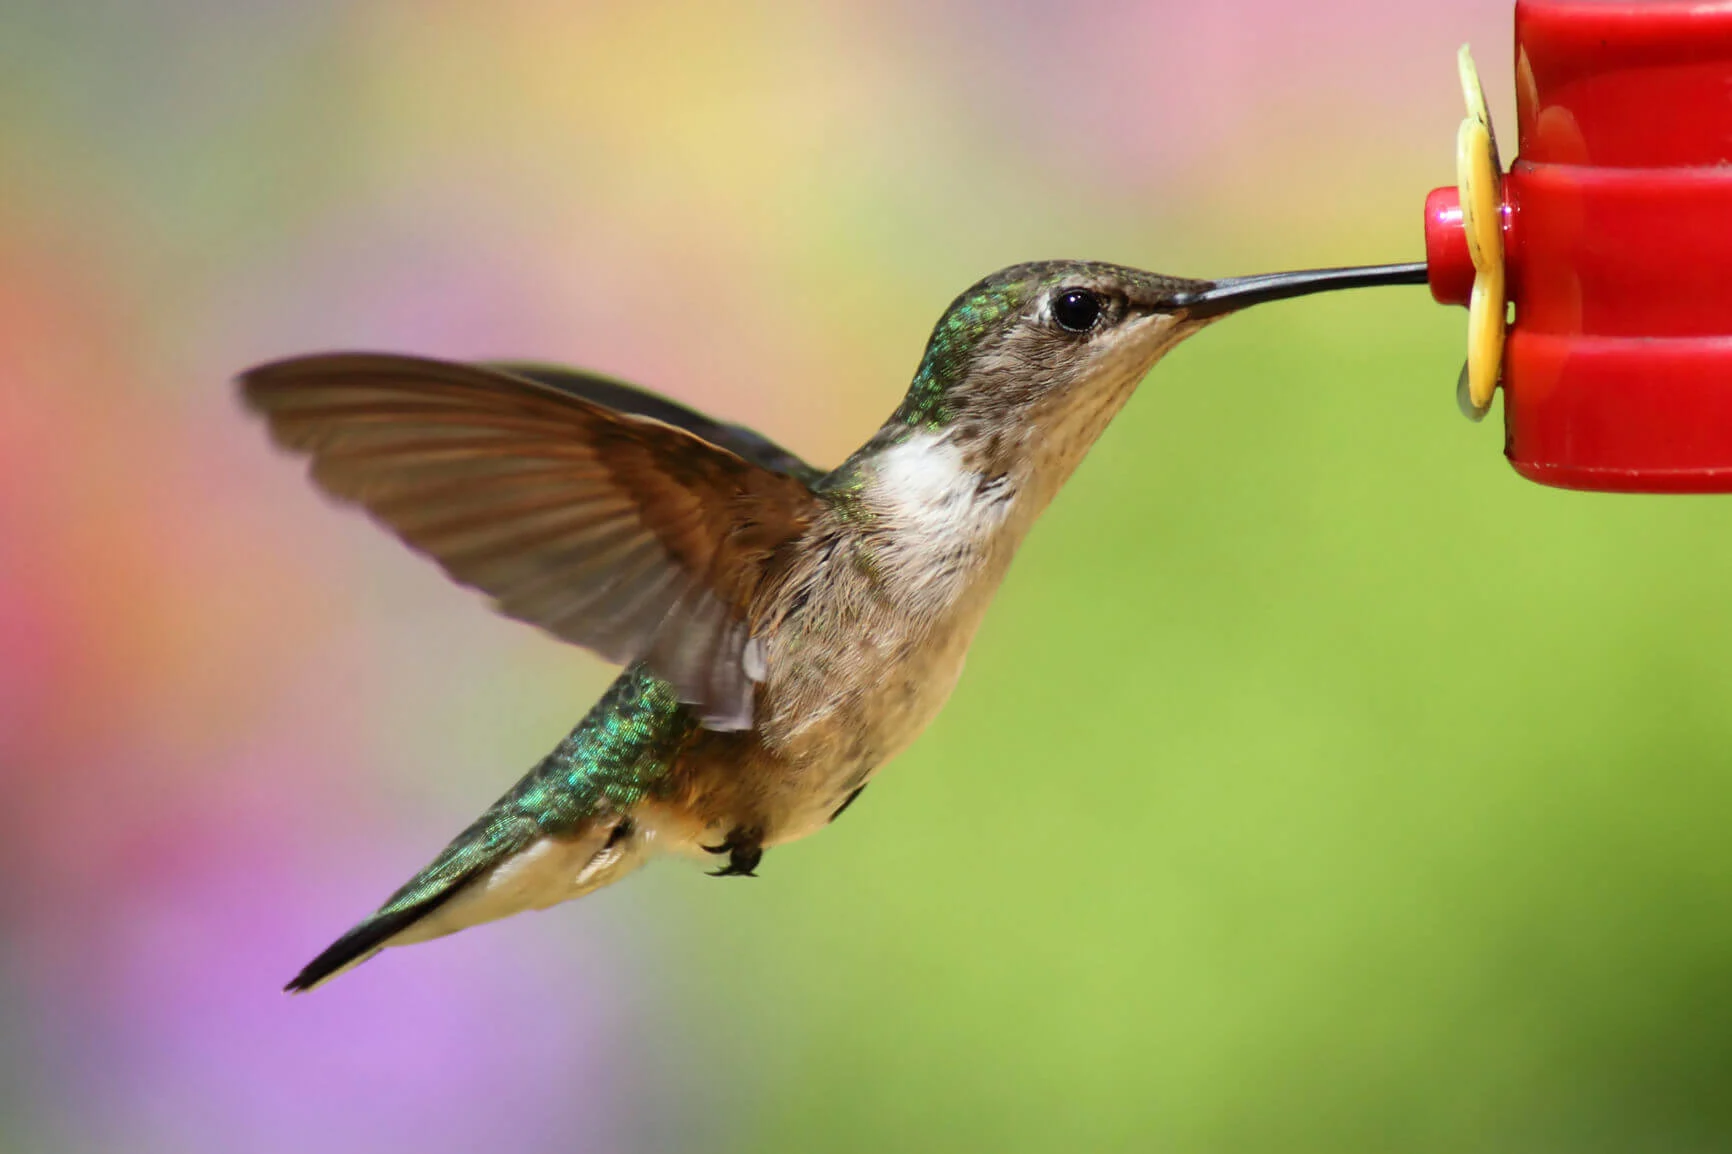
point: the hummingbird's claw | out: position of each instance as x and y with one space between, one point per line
745 849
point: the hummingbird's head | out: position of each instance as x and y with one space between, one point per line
1033 361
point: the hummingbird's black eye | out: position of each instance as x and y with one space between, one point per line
1076 310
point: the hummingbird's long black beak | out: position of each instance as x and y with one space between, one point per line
1234 293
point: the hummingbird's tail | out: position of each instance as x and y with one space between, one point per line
487 873
572 825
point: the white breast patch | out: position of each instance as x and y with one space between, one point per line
940 515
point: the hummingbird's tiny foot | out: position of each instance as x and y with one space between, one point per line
745 849
742 862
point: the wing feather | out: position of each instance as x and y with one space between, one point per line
623 532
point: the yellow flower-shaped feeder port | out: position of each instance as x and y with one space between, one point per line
1480 182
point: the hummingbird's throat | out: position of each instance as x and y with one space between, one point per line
938 517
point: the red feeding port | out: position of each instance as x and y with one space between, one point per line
1617 221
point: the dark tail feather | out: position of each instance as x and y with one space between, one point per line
369 937
351 947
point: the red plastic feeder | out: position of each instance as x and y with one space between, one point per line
1617 231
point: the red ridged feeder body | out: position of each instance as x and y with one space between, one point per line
1617 236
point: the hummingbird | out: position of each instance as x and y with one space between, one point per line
784 630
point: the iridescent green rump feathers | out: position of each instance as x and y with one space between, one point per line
613 757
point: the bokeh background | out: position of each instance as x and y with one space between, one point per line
1315 785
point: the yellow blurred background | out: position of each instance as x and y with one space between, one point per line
1315 785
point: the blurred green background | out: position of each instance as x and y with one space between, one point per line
1315 785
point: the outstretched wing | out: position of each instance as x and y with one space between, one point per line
621 533
747 444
